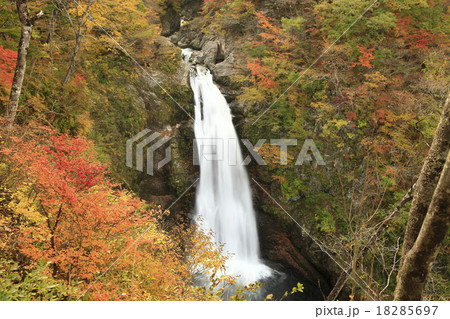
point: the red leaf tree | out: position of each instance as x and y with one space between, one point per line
7 64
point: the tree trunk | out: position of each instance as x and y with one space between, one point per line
51 26
78 39
19 73
51 32
340 283
428 179
417 263
79 34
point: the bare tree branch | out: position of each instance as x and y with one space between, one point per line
345 274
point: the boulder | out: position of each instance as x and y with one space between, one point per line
210 49
222 72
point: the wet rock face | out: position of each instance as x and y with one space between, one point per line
278 246
191 9
172 17
170 22
216 53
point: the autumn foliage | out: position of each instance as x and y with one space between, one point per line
7 65
270 33
262 75
59 206
365 58
368 91
412 36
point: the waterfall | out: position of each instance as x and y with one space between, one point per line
223 199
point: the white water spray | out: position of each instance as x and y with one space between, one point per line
223 198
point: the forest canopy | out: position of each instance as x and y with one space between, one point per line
368 81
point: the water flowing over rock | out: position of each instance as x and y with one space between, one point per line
223 200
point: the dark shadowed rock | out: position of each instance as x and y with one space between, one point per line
190 9
197 42
174 38
278 247
170 22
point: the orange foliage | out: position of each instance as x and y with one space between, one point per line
262 75
65 209
365 58
271 33
75 199
272 36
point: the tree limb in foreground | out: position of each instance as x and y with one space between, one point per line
346 273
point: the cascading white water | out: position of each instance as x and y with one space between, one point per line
223 199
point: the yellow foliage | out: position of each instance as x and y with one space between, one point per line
375 80
23 204
272 154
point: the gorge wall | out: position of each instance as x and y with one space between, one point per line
283 244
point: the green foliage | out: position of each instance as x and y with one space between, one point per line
258 51
324 221
34 284
292 186
232 16
370 104
338 15
382 22
292 23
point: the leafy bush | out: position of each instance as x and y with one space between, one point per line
36 284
